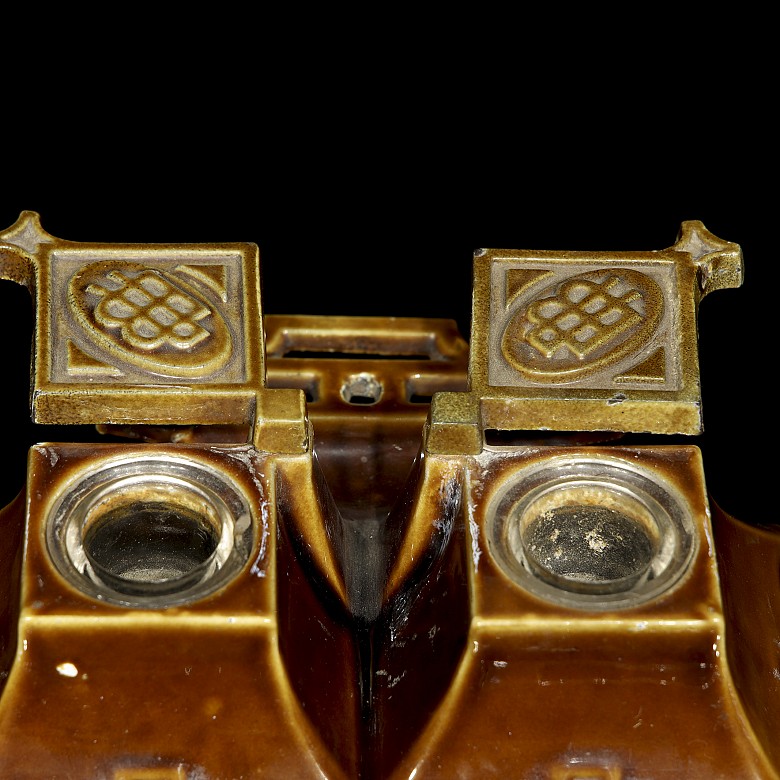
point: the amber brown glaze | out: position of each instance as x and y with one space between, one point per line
11 534
97 690
316 629
421 632
749 560
366 445
370 649
377 626
549 691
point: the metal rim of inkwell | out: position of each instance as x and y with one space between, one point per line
591 533
150 531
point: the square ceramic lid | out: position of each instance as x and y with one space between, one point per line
153 334
586 341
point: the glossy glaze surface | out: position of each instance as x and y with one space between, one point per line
364 549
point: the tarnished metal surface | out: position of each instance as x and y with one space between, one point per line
361 547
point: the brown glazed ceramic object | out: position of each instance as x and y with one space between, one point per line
354 547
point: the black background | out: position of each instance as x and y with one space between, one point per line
372 201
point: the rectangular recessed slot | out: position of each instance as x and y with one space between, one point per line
308 384
363 338
306 354
516 438
420 389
